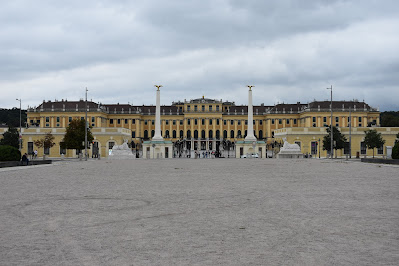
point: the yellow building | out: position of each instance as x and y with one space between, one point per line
202 125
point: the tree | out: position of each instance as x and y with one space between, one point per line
46 142
373 139
75 135
9 153
10 137
338 138
395 151
397 138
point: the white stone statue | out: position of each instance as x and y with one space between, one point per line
290 147
124 146
121 152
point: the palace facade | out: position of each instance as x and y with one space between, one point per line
204 125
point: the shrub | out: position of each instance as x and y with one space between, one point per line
395 151
9 153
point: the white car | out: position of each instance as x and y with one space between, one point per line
250 155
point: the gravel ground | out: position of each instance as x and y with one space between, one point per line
200 212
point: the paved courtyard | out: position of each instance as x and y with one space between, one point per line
200 212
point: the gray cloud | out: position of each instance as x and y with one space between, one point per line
290 50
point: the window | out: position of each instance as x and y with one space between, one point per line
239 122
70 119
189 134
174 122
360 119
111 144
145 122
133 121
280 121
58 119
195 121
119 121
239 134
153 133
133 134
337 119
166 133
181 134
46 150
47 119
30 147
295 121
325 119
225 134
174 134
260 122
272 121
126 122
231 122
93 119
181 122
166 122
232 134
217 134
246 122
203 134
203 121
288 121
299 143
217 122
210 108
152 122
145 134
314 119
188 121
224 122
62 150
380 150
111 121
313 147
210 122
195 108
346 147
260 134
188 108
82 118
196 134
363 149
253 122
217 107
210 134
203 108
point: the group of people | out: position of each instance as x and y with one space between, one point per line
25 157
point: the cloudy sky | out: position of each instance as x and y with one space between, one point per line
290 50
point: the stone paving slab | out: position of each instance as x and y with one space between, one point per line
200 212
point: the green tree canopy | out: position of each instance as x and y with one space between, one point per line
10 137
75 135
338 138
373 139
46 142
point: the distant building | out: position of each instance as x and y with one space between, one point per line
204 125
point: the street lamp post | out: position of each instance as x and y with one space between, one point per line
20 124
331 122
319 147
86 127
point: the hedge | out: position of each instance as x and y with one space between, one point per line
9 153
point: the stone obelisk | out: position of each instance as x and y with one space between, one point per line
250 131
157 134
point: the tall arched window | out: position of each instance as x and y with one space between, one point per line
217 134
174 134
167 134
225 134
189 134
196 134
145 134
181 134
203 134
260 134
245 134
239 134
210 134
152 133
231 133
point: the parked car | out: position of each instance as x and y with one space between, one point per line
250 155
